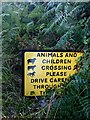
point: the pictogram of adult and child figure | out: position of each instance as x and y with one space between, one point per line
31 67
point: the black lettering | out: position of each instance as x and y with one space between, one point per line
38 54
43 67
51 79
56 73
46 86
71 55
75 67
42 86
47 67
47 73
32 80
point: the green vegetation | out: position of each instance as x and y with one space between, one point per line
49 26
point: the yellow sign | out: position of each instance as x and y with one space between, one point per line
44 70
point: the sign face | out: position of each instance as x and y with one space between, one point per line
45 70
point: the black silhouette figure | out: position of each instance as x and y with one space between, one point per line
32 93
32 74
31 67
31 60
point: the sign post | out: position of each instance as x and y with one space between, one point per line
45 70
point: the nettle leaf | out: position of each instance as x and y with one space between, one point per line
37 12
69 7
60 7
30 26
15 17
49 15
61 30
86 41
62 40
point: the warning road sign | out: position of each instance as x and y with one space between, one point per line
44 70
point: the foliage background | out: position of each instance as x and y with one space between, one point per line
49 26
